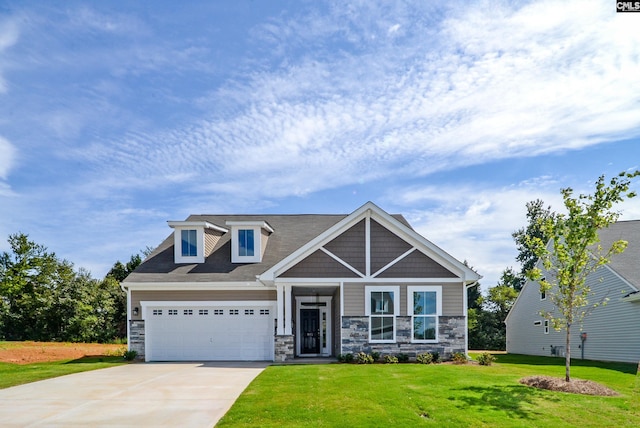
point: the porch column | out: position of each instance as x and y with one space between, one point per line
280 311
288 321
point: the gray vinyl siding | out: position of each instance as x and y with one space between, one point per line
613 332
353 304
416 265
319 265
385 246
197 296
452 298
350 246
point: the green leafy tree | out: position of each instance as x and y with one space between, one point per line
44 298
29 277
537 214
114 277
574 251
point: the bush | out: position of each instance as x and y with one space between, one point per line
345 358
130 355
375 355
403 358
485 359
426 358
459 358
390 359
364 358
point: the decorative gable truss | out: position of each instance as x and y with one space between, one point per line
372 245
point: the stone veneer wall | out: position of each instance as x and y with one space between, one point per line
136 337
283 349
451 330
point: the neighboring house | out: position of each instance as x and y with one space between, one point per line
612 331
276 287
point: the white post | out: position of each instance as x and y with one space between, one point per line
288 310
280 310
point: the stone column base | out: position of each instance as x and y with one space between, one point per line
283 348
136 337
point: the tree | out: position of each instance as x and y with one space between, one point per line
574 251
537 214
29 277
44 298
114 277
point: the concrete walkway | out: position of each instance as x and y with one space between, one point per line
133 395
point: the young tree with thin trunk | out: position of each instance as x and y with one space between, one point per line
573 252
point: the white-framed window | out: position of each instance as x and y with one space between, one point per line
188 240
189 243
203 311
234 312
538 323
546 326
173 312
382 305
247 239
424 305
187 312
543 295
157 312
218 312
246 242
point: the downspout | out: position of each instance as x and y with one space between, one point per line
128 291
466 317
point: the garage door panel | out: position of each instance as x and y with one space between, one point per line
209 333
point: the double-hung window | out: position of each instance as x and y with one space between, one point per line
425 306
382 305
189 243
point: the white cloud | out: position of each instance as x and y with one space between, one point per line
498 82
9 34
475 222
7 157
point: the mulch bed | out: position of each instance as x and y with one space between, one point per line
38 352
576 386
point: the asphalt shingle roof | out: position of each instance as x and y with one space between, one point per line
290 233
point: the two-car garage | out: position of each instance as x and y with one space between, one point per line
208 331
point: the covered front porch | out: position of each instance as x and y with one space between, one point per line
307 321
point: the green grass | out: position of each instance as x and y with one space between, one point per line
412 395
18 374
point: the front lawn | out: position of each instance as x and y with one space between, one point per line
24 362
408 395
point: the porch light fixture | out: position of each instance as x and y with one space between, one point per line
135 311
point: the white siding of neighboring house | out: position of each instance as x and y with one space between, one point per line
613 330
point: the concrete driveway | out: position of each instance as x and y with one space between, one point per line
136 395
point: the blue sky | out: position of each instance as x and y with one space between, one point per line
118 116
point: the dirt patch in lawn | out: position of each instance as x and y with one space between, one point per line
38 352
576 386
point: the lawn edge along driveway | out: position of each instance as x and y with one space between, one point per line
152 394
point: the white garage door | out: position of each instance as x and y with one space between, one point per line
197 332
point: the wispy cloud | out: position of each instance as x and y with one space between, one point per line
475 222
497 82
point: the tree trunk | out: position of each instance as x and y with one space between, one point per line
567 356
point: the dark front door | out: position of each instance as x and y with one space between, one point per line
310 322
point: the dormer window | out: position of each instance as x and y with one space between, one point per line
248 240
189 243
189 240
245 243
